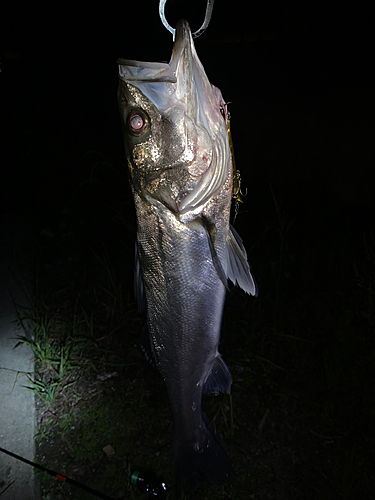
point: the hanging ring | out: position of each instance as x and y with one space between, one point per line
196 34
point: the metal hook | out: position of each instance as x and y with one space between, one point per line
202 29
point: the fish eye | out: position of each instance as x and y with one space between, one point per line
137 122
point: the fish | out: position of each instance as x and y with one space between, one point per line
180 166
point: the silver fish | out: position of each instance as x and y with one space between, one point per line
179 159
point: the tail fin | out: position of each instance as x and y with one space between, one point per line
209 463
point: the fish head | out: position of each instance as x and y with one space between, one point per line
175 131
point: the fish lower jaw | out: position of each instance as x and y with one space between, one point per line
165 201
163 198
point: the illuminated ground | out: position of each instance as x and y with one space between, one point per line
17 406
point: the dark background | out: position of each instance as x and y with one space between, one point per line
297 74
299 79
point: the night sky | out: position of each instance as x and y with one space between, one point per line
297 75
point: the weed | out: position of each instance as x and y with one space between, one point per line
36 336
45 392
89 323
66 423
41 433
55 360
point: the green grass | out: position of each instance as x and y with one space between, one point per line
57 359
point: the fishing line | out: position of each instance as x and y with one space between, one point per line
57 475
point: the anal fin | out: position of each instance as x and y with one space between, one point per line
219 379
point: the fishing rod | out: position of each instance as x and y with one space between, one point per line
145 482
58 476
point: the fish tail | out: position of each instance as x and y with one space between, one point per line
209 463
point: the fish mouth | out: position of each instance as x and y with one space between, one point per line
183 41
142 71
162 83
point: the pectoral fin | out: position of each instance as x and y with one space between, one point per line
238 269
236 265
